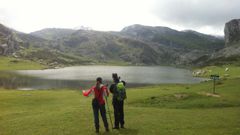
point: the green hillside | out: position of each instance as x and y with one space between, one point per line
9 63
138 45
52 33
151 45
180 39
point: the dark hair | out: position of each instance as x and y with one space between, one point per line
99 79
115 77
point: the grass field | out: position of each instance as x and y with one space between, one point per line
225 71
9 63
157 110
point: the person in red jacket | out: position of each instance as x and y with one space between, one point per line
98 103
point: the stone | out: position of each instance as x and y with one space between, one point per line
232 32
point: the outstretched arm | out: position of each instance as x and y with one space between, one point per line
88 92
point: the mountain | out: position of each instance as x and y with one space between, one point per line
136 44
9 42
27 46
180 39
230 54
104 47
14 40
176 47
52 33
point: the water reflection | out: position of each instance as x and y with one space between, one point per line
12 80
84 77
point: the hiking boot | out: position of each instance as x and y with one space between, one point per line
116 128
107 129
122 126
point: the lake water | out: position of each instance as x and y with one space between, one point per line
84 76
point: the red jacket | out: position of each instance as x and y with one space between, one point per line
103 91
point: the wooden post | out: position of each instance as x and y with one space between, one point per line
214 78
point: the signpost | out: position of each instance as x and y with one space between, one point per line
214 78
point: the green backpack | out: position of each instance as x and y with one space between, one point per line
121 91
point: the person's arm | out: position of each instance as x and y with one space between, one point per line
112 88
105 91
124 83
88 92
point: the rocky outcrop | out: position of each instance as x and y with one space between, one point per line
230 54
9 43
232 32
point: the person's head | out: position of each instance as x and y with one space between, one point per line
115 77
99 80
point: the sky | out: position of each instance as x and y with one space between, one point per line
206 16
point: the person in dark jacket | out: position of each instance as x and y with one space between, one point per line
119 94
98 103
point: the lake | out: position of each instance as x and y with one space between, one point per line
84 76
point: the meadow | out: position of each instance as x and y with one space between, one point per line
10 63
166 109
163 110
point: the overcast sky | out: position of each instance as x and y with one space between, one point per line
206 16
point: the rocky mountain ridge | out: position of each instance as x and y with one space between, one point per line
136 44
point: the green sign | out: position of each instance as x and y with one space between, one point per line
214 77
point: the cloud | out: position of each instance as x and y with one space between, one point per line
5 17
197 13
207 16
31 15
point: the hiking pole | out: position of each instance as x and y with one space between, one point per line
109 112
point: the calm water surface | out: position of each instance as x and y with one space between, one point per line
84 76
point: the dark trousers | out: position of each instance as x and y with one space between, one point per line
118 113
96 108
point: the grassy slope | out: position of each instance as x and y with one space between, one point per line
10 63
7 63
149 110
